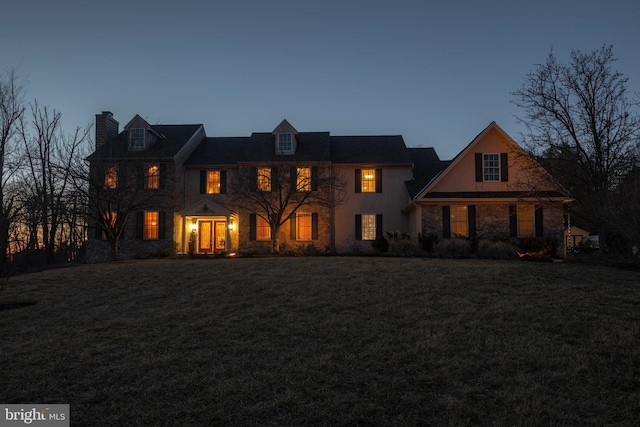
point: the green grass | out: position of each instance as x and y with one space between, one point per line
326 341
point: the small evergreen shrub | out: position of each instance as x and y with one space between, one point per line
428 242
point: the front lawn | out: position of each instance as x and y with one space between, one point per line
325 341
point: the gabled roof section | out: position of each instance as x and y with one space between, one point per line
138 122
370 150
519 161
283 127
174 137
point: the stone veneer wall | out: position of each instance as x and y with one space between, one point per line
129 246
246 245
493 220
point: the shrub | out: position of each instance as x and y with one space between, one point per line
453 248
539 247
381 244
488 249
403 244
428 242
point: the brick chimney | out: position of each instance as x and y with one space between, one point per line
106 128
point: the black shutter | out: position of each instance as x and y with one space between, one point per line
358 227
504 167
120 223
163 175
358 180
314 178
446 222
142 172
162 225
379 230
293 176
274 179
513 221
378 180
223 182
253 179
471 217
98 230
314 226
252 226
292 227
139 224
539 222
479 175
203 182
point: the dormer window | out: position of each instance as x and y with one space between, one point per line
285 143
136 139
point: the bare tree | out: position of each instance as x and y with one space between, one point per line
50 154
581 126
275 192
11 112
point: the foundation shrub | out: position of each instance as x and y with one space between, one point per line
428 242
381 244
403 244
488 249
453 248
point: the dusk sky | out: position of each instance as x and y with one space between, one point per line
436 72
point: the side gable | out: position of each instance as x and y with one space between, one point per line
493 166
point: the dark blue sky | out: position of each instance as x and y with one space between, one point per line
437 72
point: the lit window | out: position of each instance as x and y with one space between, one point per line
213 182
285 143
111 177
136 139
263 230
368 180
150 225
303 223
110 221
491 163
368 227
304 179
264 179
152 177
525 220
459 221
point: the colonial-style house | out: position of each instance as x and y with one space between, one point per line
201 195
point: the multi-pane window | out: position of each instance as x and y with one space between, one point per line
303 179
136 139
111 177
525 220
264 179
152 177
263 230
368 227
213 182
303 223
491 167
368 180
285 143
459 221
150 226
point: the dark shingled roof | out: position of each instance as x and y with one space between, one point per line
369 149
311 147
175 137
426 165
